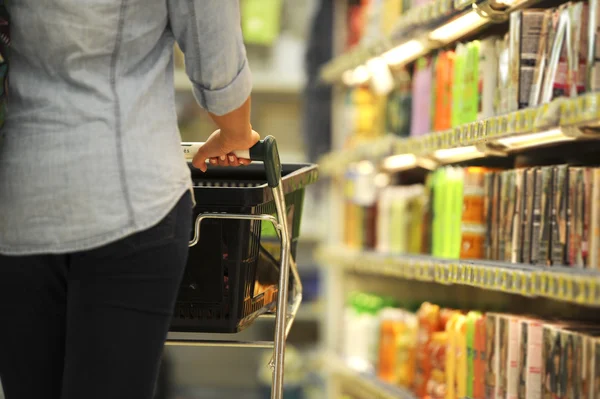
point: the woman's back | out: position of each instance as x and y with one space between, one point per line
91 147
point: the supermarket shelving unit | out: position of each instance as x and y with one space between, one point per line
559 124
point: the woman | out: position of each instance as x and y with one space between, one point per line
95 210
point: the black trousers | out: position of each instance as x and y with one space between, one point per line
92 325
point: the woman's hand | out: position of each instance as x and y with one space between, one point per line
219 148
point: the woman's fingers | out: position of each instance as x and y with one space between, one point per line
229 160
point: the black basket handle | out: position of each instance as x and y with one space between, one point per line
266 151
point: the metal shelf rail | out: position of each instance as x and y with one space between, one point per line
565 119
567 284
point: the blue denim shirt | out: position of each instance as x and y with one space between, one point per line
91 149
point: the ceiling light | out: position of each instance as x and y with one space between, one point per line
535 139
458 154
404 53
457 28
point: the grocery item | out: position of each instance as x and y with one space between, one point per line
429 322
525 34
559 216
421 95
472 352
492 350
444 79
397 346
479 365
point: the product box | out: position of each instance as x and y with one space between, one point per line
577 58
460 345
530 381
541 60
580 192
473 227
458 88
421 95
504 77
492 350
525 29
399 105
528 212
559 222
555 76
514 356
503 365
472 352
594 227
552 353
517 225
444 78
488 212
470 108
593 47
480 359
540 237
488 77
507 210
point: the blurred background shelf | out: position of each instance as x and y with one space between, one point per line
361 385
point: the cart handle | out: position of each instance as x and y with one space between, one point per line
264 151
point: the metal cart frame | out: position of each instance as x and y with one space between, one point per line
265 151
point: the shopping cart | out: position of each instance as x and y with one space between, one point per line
239 266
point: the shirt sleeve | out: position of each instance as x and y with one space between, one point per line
210 35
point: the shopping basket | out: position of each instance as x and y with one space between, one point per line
242 249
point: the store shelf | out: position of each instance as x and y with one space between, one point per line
424 29
362 385
563 120
262 83
565 284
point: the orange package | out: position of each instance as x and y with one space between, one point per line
397 347
429 322
444 75
436 386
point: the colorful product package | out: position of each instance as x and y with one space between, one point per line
594 224
488 77
525 33
552 354
473 225
436 386
492 350
559 222
517 224
444 77
399 104
580 189
480 358
528 212
422 90
397 347
541 61
460 345
592 79
504 77
489 213
555 76
502 345
458 88
514 356
506 211
471 93
472 352
530 384
429 322
540 235
496 217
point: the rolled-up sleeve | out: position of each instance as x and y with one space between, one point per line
209 34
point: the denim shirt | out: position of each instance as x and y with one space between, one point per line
91 149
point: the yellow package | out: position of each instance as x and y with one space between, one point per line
451 359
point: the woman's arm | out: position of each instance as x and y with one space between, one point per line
209 34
